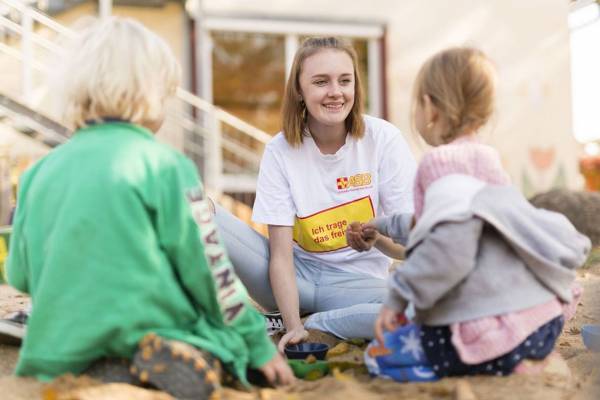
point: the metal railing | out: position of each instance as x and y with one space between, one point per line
225 148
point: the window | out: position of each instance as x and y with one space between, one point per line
248 73
250 58
584 23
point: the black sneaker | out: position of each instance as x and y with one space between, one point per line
176 368
13 328
274 323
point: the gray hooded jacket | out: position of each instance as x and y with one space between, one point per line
481 250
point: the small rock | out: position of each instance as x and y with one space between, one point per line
311 359
574 330
463 391
339 349
581 208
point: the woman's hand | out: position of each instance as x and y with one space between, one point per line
361 237
293 336
387 320
277 371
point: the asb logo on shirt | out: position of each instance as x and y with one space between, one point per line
342 183
354 181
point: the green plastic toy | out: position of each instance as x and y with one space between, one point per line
309 371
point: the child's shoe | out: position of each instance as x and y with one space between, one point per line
177 368
274 323
13 328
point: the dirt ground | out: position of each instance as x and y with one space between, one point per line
581 380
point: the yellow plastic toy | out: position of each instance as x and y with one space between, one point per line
4 241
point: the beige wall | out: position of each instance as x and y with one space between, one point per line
528 40
168 22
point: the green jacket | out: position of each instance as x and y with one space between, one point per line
112 239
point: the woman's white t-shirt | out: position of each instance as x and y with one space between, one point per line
320 194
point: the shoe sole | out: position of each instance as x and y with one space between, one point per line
111 370
176 368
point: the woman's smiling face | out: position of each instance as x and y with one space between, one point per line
327 87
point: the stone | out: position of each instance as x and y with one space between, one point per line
581 208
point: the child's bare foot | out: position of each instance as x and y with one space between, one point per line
177 368
553 364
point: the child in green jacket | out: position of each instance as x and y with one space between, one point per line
114 240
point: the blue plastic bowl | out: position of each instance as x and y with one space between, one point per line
302 350
591 336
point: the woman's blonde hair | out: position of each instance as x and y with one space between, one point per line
117 68
461 83
294 110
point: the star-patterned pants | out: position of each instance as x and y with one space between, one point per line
414 353
443 358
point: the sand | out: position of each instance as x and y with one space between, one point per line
575 378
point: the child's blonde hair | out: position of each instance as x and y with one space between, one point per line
117 69
461 83
294 111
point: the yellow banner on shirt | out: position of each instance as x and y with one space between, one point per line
326 230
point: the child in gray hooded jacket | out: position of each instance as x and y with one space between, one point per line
486 272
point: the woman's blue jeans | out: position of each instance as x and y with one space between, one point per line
341 303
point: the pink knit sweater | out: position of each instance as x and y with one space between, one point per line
465 155
487 338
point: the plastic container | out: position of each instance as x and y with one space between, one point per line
302 350
591 336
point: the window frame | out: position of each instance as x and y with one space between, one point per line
292 30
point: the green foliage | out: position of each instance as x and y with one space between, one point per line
593 258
